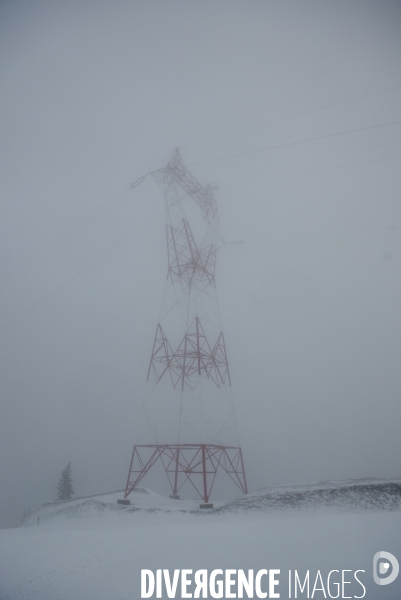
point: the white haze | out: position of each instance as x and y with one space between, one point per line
97 94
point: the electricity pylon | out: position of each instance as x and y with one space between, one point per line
195 411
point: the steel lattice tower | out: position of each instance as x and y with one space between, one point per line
194 410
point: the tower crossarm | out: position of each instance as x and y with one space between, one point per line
194 356
202 196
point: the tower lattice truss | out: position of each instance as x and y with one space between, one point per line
188 363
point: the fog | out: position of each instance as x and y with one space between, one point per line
292 109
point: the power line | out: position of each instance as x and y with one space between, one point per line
321 137
84 270
311 171
305 162
109 322
316 235
306 112
97 214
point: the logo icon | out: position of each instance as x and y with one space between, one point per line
387 560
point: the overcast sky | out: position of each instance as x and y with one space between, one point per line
97 94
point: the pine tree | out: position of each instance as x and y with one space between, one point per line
64 488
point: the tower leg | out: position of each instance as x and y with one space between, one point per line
205 492
243 472
175 488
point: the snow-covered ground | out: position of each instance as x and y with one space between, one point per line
94 549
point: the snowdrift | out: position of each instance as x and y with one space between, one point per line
362 494
351 495
103 505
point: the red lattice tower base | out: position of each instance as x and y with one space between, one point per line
196 463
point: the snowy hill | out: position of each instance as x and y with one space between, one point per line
93 548
351 495
103 505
